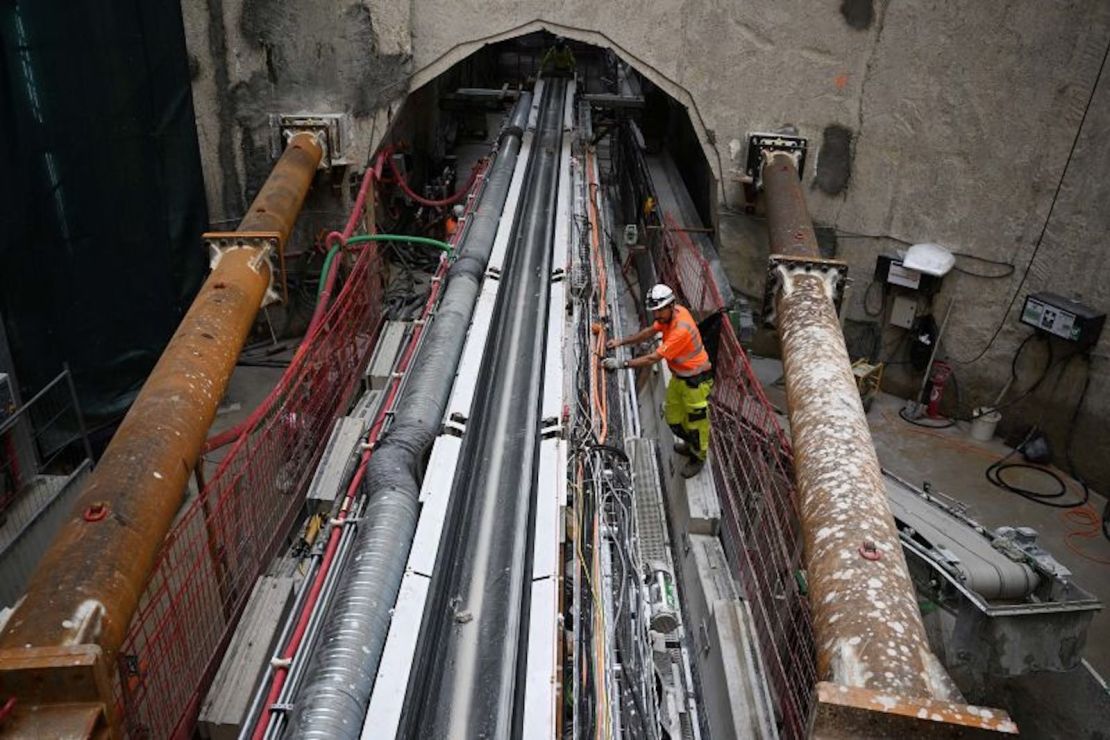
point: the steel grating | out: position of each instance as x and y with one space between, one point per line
650 522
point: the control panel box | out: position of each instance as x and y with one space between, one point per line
1062 318
890 270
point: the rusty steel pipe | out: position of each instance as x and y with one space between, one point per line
788 224
874 664
86 588
277 204
866 619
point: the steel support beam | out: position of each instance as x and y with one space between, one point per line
59 646
867 624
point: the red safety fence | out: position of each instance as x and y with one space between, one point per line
750 457
230 531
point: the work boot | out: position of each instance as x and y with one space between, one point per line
683 448
692 467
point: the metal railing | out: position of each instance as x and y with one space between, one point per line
228 533
750 457
44 447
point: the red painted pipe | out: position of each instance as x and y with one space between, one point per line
432 203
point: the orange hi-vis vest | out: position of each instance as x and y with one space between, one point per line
682 346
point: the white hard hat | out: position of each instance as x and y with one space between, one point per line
458 210
659 297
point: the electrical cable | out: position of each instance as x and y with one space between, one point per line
917 423
1091 524
325 270
1048 218
1013 378
996 469
994 475
611 450
403 238
1011 268
1049 364
867 300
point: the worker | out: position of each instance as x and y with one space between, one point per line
559 60
686 408
451 224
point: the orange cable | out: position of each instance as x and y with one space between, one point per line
1090 523
1085 517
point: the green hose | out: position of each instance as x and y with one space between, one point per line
442 246
324 270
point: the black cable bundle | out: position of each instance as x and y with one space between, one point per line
1034 448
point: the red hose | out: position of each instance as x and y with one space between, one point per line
372 173
281 672
433 203
6 710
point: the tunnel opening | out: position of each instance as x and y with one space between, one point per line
458 106
652 148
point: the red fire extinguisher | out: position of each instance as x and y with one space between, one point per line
937 380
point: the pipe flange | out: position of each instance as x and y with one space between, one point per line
782 270
762 146
264 242
331 131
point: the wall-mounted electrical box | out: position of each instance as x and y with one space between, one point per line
890 270
1063 318
903 311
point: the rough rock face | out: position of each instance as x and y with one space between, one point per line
254 58
928 121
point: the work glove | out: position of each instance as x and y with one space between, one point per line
612 363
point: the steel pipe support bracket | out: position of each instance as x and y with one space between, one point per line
762 145
328 128
266 242
851 712
783 269
64 691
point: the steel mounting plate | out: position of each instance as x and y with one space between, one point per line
760 142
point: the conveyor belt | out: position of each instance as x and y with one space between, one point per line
473 644
983 569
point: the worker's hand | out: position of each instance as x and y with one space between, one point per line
613 343
612 363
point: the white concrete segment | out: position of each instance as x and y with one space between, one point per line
553 371
551 490
541 674
466 380
434 495
384 714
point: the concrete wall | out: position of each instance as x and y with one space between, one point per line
941 121
253 58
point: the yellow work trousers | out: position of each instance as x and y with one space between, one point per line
686 411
